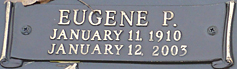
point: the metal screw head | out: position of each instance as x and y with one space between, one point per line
26 30
212 30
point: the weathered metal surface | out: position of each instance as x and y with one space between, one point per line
202 49
198 43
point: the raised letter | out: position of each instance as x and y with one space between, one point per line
139 16
108 48
82 48
98 18
52 50
123 14
61 48
63 33
62 17
118 49
167 18
71 47
130 35
75 34
83 34
83 17
108 17
107 35
118 34
97 48
96 34
54 34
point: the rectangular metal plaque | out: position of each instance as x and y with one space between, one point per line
135 33
155 33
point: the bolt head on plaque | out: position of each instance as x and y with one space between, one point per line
212 30
26 30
